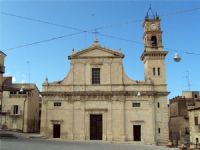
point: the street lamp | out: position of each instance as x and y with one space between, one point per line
177 58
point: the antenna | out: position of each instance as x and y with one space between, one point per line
28 68
188 79
95 33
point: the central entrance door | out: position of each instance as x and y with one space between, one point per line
56 131
95 127
137 132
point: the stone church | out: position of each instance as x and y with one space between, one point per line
98 101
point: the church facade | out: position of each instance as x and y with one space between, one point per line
98 101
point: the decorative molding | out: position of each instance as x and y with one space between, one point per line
104 93
153 53
137 121
57 121
96 109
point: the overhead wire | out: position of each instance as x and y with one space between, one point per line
180 51
92 31
119 38
140 20
43 41
100 27
41 21
180 12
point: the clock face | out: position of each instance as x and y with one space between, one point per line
153 26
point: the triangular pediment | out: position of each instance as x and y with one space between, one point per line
95 51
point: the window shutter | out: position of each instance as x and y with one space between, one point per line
12 109
19 109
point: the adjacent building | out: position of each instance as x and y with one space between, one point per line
194 123
19 104
179 129
98 101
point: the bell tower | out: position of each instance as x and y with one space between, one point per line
154 69
154 53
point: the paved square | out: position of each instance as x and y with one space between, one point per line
16 143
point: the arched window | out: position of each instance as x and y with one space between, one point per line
153 41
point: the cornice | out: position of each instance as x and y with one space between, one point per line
153 53
105 93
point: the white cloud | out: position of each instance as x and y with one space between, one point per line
7 73
14 80
23 81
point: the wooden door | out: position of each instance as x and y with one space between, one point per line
56 131
137 132
95 127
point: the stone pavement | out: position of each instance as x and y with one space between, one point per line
9 133
12 140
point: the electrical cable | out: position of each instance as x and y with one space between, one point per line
100 27
180 12
119 38
43 41
186 52
41 21
91 31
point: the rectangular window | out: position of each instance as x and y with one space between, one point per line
154 71
158 71
196 120
158 104
57 104
13 92
22 92
95 75
159 130
15 109
187 130
136 104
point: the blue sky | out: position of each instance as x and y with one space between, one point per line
179 22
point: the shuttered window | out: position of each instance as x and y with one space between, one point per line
95 75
